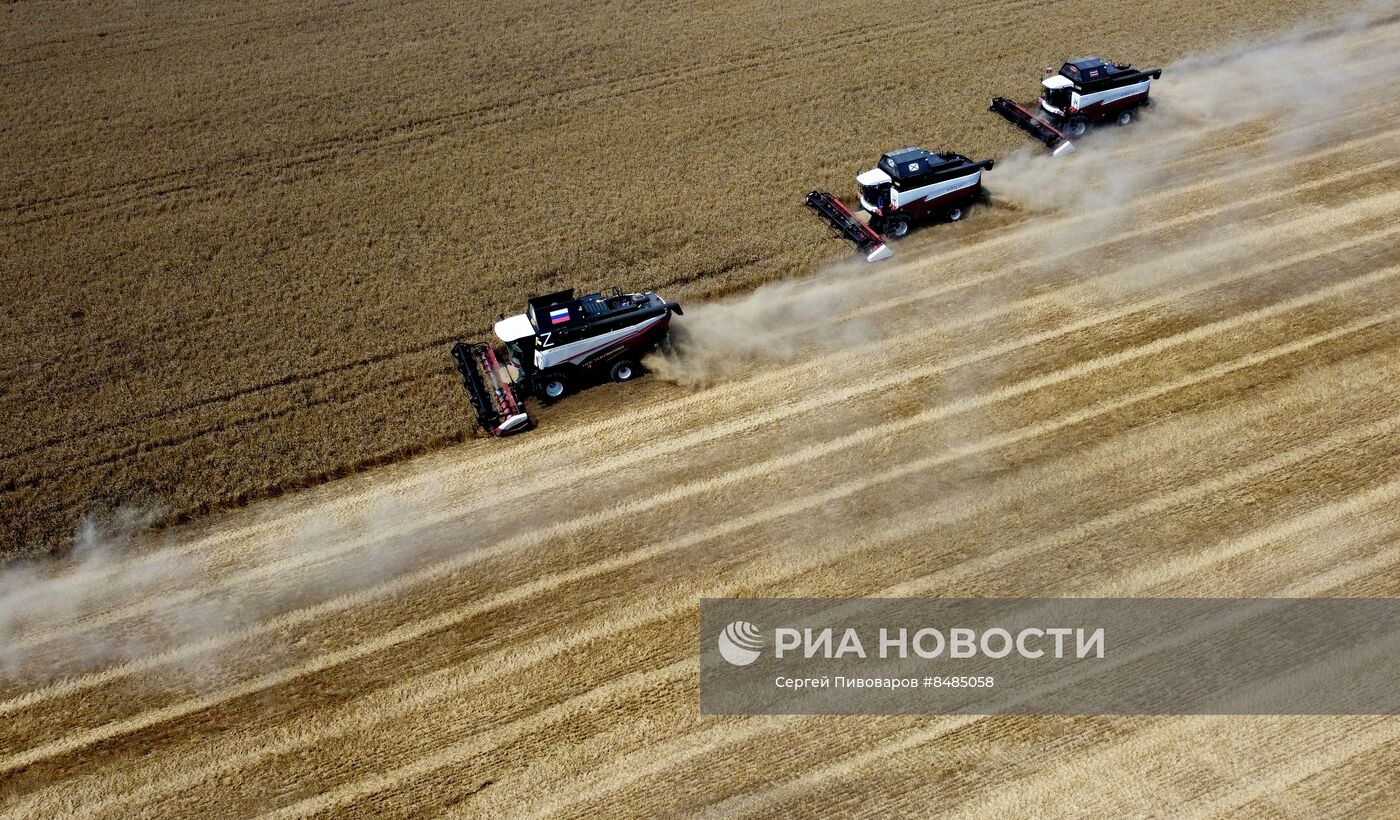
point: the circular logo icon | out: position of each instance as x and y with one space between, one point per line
740 643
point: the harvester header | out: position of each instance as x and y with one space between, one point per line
835 212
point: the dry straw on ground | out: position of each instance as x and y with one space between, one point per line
1196 399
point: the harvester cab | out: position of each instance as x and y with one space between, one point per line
905 187
1083 93
559 344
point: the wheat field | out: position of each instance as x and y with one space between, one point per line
238 240
1163 367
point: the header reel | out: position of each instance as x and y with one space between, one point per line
498 407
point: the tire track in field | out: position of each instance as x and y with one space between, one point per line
765 801
417 129
138 35
402 634
706 745
403 693
451 685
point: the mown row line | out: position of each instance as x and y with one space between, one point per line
709 744
450 685
443 619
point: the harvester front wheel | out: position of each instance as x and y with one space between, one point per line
1076 128
624 370
897 226
553 388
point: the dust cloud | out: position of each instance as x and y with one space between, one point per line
105 605
776 323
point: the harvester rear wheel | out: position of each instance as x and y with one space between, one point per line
624 370
956 213
1125 118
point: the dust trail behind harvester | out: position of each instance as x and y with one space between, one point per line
1302 92
92 612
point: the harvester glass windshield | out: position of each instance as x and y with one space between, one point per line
516 353
1057 97
876 196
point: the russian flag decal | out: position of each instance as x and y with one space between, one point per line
558 315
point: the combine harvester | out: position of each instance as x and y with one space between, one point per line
1085 92
559 344
906 187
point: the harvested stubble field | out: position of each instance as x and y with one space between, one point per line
1166 367
239 238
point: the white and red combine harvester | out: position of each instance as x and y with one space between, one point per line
559 344
905 187
1085 92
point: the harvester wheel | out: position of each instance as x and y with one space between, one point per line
897 226
1125 118
554 388
955 214
624 370
1076 128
